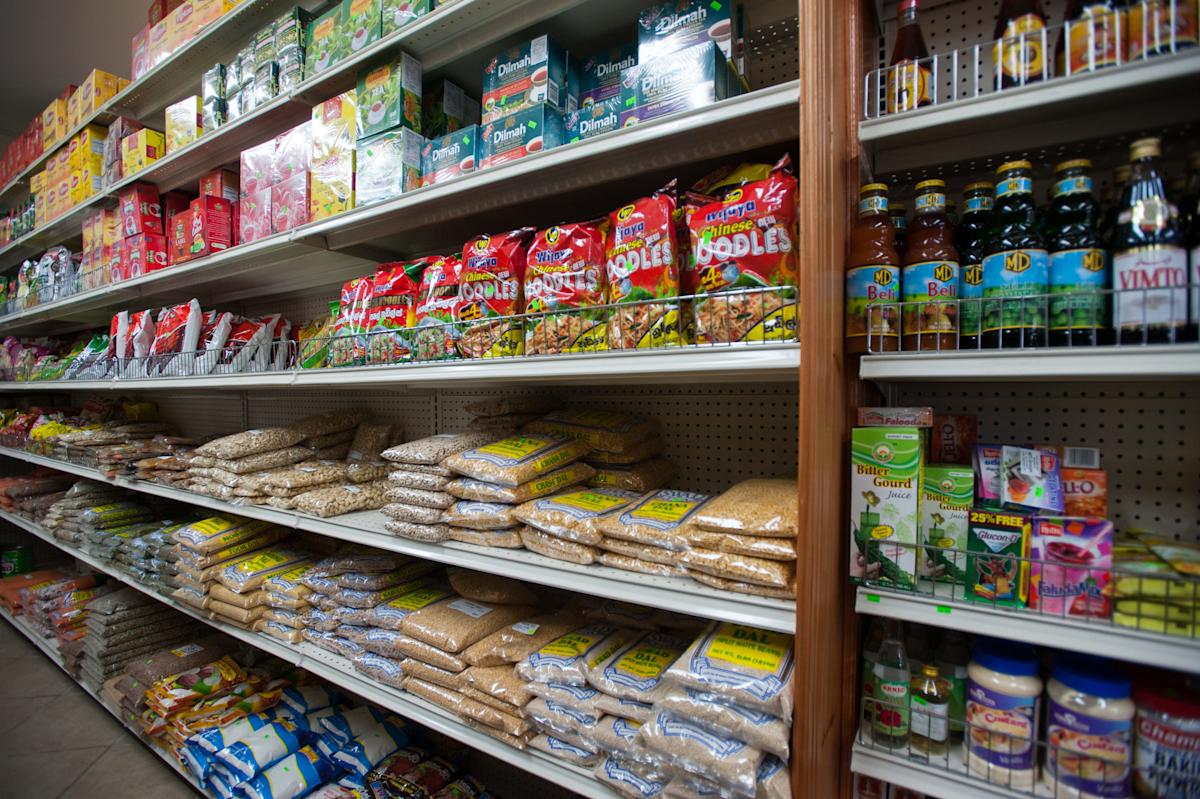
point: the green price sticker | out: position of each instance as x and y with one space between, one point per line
873 597
715 6
943 608
532 124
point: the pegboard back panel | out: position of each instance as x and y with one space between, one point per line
1147 434
202 414
414 413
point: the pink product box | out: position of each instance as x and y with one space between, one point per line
292 153
256 165
1072 567
289 203
254 217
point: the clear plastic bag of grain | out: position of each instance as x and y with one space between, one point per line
744 665
425 533
717 715
414 514
574 515
755 546
642 552
331 440
370 439
307 474
455 624
250 442
434 449
632 779
691 749
391 612
558 748
760 507
263 461
366 471
517 459
565 659
502 539
557 548
482 491
419 480
501 683
323 424
606 431
480 515
517 403
628 564
657 519
738 587
520 639
490 588
648 475
741 568
637 670
337 500
636 453
417 496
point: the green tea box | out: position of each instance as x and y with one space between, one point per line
998 557
947 493
389 96
885 501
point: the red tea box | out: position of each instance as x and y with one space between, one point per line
122 269
140 210
181 228
173 202
211 225
256 164
147 253
292 153
220 183
140 53
289 203
157 42
254 217
111 220
1085 492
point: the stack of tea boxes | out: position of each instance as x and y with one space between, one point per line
928 501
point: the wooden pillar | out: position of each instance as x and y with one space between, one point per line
827 169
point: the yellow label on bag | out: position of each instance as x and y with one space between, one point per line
589 501
749 647
264 561
605 653
646 661
569 645
517 448
415 600
663 510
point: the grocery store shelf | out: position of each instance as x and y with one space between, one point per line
677 594
1134 97
951 780
718 364
64 227
1151 362
1094 637
341 672
49 648
765 117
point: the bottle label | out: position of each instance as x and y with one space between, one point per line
891 708
1152 29
931 200
1075 278
908 86
900 222
1021 52
1079 185
929 719
1089 754
1151 287
1014 274
1000 728
925 281
868 205
1014 186
1149 215
957 675
870 290
983 203
1096 39
970 295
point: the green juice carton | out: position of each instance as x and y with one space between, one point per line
947 493
885 500
998 557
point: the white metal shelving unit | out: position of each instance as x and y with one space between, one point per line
341 672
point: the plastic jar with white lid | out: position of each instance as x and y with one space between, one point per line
1003 694
1089 730
1167 739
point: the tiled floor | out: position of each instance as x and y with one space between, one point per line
59 742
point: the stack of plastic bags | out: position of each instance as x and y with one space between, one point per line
11 587
152 558
123 626
127 691
65 517
285 600
416 484
59 608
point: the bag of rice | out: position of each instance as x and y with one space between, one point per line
566 659
753 507
656 519
293 776
391 613
489 588
218 532
434 449
748 666
386 670
557 747
517 459
648 475
364 752
485 714
412 648
479 515
425 533
607 431
247 575
455 624
500 682
504 539
557 548
739 587
425 482
636 671
574 515
624 708
760 730
742 568
454 680
734 544
490 701
728 762
634 780
481 491
416 578
517 641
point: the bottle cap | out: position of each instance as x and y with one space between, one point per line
870 187
899 207
1074 163
1121 173
1011 166
931 184
929 670
982 185
905 5
1145 148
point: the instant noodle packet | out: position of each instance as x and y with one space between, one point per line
493 269
392 310
437 305
641 262
564 277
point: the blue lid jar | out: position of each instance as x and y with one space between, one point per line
1007 657
1099 677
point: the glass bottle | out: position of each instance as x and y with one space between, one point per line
870 652
1098 32
1078 262
952 211
909 78
930 714
916 647
1149 259
968 238
899 214
890 690
1015 264
1020 50
952 658
1154 30
872 276
930 273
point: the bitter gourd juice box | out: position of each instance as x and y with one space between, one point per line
947 492
885 499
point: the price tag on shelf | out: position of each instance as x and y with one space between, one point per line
943 609
873 597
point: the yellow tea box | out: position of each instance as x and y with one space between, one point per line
37 182
885 489
54 123
73 114
947 493
139 150
97 89
184 124
331 183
